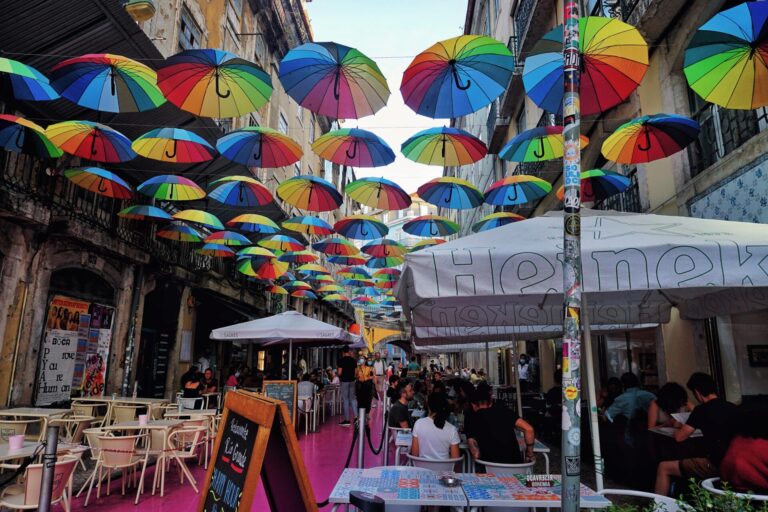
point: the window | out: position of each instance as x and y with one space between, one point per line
297 168
253 120
300 114
497 6
282 124
521 121
260 51
488 23
190 35
309 170
312 129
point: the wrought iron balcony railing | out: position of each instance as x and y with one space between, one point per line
627 201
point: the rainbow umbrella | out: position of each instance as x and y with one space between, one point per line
298 257
385 283
259 146
361 227
614 59
296 285
288 276
450 192
390 261
444 146
231 238
370 291
277 290
387 273
200 217
213 83
308 225
336 297
304 294
174 145
144 212
168 187
650 138
357 281
423 244
727 60
599 184
457 76
517 189
254 223
330 288
99 181
537 145
310 193
22 82
255 252
347 260
23 136
363 300
352 271
336 246
216 251
389 302
313 268
333 80
268 268
384 248
354 147
321 278
496 220
281 243
106 82
179 232
91 141
240 191
378 193
430 226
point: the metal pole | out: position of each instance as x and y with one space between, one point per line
361 437
591 395
487 363
290 358
518 391
571 424
49 468
131 344
386 430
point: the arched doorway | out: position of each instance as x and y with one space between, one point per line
158 332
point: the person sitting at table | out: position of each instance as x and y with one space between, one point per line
208 382
418 399
433 437
632 402
670 399
188 376
399 415
717 419
489 437
608 393
305 393
232 376
193 387
392 393
745 465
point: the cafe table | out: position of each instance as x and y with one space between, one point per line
149 403
538 447
43 413
29 448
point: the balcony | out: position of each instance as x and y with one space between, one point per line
515 91
497 129
532 19
627 201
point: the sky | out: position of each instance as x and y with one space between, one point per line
391 32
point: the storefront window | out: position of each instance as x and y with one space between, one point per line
744 354
633 351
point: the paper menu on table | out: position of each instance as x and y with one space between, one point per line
682 417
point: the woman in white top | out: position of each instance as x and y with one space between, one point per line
433 436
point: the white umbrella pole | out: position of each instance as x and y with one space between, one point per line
290 358
591 395
518 391
487 363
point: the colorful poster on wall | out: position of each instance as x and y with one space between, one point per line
82 349
99 341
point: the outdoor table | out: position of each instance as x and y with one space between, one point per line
670 432
207 399
398 485
191 412
43 413
538 447
29 447
149 403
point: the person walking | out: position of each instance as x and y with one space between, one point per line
378 375
346 374
364 386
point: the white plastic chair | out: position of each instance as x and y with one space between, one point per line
190 404
305 406
710 486
26 495
184 443
434 464
661 503
119 452
498 468
399 450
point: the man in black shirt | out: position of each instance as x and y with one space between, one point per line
716 419
346 373
399 416
489 436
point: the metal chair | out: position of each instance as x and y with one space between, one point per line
184 442
190 404
72 429
122 413
10 428
710 485
400 450
305 406
661 503
26 495
119 452
507 469
434 464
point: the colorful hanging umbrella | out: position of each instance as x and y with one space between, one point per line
537 145
268 268
599 184
363 300
179 232
281 243
310 193
336 297
298 257
254 223
361 227
24 82
614 59
330 288
378 193
288 276
389 302
727 60
304 294
370 291
444 146
144 212
313 268
174 145
517 189
354 147
347 260
240 191
423 244
333 80
259 146
321 278
430 226
650 138
230 238
336 246
390 261
450 192
168 187
384 248
255 252
357 282
213 83
216 250
352 271
296 285
308 225
200 217
457 76
91 141
277 290
384 284
496 220
106 82
99 181
23 136
387 273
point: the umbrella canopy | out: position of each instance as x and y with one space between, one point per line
277 290
336 297
144 212
599 184
255 252
230 238
423 244
308 225
168 187
357 281
347 260
387 273
200 217
379 193
446 147
213 83
179 232
517 189
269 268
25 83
174 145
650 138
23 136
496 220
430 225
321 278
336 246
354 271
259 146
241 191
363 300
330 288
310 193
333 80
91 141
296 285
285 327
216 250
304 294
298 257
537 145
457 76
106 82
385 262
727 60
354 147
384 248
99 181
450 192
281 243
385 283
361 227
314 268
614 59
254 223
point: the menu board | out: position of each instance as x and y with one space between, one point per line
284 390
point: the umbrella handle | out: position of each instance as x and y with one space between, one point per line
257 156
112 84
514 197
19 138
433 229
240 197
354 150
538 153
170 194
647 142
218 88
386 251
459 85
450 195
174 150
363 231
93 142
336 82
442 151
101 188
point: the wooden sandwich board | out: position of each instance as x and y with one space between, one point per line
256 440
284 390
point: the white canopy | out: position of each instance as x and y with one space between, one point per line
288 326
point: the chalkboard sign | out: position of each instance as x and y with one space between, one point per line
284 390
